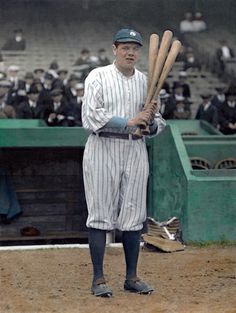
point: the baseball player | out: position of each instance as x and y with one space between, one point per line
115 164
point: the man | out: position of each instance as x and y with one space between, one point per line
70 91
115 165
17 43
57 112
207 111
227 113
31 108
199 25
219 98
85 63
186 25
102 58
167 106
183 81
75 104
6 110
224 53
182 109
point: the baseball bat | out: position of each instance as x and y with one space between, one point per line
170 60
152 55
160 59
155 68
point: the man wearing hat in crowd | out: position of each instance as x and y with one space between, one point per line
28 80
182 109
167 106
45 94
16 43
6 110
39 74
207 111
103 59
70 91
85 63
178 95
31 108
183 81
219 98
115 163
58 112
62 79
227 112
76 104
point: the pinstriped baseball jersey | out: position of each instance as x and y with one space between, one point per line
115 170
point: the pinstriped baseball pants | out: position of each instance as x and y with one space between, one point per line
115 175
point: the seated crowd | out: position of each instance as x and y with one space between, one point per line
55 95
218 109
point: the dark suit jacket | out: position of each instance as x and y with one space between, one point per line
12 44
210 115
64 109
25 111
227 115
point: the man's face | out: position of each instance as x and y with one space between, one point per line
126 55
33 97
57 98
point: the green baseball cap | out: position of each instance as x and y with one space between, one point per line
128 35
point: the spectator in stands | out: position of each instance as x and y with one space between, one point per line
227 112
183 82
76 104
61 80
199 25
53 68
31 108
178 92
39 73
45 96
219 98
186 25
6 110
207 111
13 77
70 91
223 54
84 64
103 60
17 43
38 84
190 61
167 106
28 80
17 85
58 113
182 109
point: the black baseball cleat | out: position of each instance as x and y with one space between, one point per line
138 286
100 289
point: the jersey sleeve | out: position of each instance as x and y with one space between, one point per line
94 115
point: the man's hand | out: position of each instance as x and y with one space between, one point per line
52 116
151 108
139 119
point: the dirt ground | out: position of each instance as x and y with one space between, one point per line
200 280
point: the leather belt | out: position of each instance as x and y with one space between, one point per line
117 135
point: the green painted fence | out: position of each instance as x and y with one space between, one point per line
204 200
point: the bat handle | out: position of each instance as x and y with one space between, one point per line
146 131
138 133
